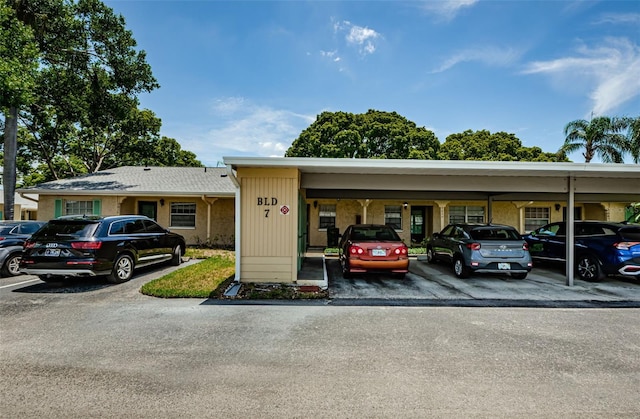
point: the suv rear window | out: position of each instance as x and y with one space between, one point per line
56 229
630 233
494 234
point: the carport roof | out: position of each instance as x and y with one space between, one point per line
440 167
456 179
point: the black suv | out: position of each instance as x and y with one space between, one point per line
12 237
601 248
94 246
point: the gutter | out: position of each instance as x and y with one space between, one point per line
28 198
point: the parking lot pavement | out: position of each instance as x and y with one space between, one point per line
436 283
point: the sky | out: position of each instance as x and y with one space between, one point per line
245 78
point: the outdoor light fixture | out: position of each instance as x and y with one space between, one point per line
315 204
557 207
161 202
405 205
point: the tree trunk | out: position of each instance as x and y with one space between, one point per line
9 170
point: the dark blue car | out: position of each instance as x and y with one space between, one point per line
601 248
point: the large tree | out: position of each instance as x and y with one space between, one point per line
375 134
18 67
602 137
483 145
80 112
86 106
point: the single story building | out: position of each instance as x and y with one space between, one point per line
25 207
284 205
273 209
197 202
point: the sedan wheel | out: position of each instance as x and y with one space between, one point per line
11 266
122 270
345 269
589 268
459 268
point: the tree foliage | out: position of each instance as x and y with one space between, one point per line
634 139
80 112
375 134
500 146
602 136
388 135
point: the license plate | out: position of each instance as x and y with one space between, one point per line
378 252
504 266
52 252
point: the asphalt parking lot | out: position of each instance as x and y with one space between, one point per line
435 284
105 350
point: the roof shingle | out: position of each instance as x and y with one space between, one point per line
142 180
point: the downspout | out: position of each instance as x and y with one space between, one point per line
204 198
236 183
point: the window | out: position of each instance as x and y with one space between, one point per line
183 214
327 216
535 217
464 214
393 216
78 207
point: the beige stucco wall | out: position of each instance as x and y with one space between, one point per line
503 212
222 224
269 233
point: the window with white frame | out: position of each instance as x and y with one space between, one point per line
535 217
393 216
466 214
78 207
327 216
183 214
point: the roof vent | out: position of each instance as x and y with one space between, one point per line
146 169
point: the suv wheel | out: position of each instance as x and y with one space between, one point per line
122 270
589 268
431 257
176 259
11 265
460 269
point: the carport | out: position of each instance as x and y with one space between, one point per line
261 181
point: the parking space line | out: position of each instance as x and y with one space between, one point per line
19 283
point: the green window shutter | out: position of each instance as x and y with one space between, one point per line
1 215
57 208
97 210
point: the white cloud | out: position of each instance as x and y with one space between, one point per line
610 69
361 37
619 18
244 128
446 9
490 55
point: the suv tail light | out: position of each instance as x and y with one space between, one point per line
525 246
29 244
625 245
87 245
473 246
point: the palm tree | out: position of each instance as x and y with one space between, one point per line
634 139
602 136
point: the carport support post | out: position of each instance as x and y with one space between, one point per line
570 223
